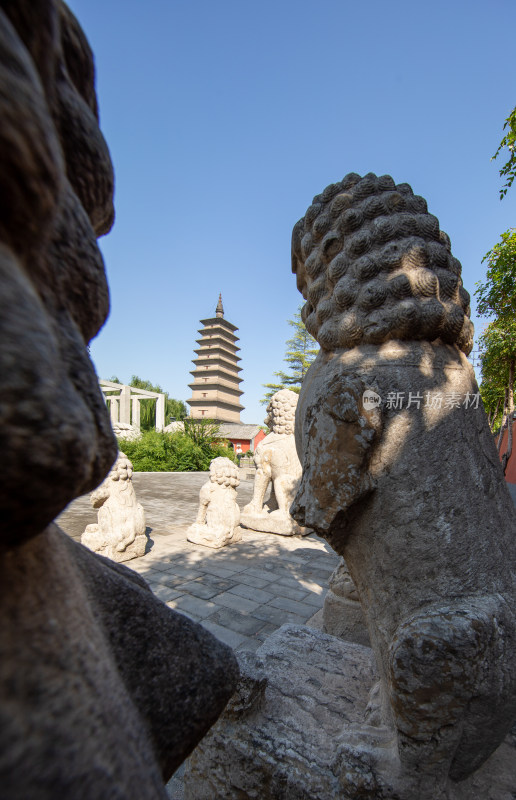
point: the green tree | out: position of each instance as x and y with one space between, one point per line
497 297
498 354
509 141
175 409
301 350
202 431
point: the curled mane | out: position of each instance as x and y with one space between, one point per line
373 265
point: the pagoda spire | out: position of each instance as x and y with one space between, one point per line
219 311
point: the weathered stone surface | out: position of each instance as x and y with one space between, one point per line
103 689
412 497
342 613
277 464
304 686
304 724
58 177
218 516
119 533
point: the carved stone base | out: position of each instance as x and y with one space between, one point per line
273 522
344 618
213 537
95 541
342 614
305 723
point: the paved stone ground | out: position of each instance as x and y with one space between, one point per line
240 593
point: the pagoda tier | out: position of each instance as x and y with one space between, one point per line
215 387
211 380
211 330
220 324
216 343
204 363
218 350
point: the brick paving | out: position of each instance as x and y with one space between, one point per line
240 593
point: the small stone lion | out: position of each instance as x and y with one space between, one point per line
277 463
119 533
218 516
409 488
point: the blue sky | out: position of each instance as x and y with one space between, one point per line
225 118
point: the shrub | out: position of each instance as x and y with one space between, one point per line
172 452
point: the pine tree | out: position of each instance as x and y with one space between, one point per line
301 349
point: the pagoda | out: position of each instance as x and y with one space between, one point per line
216 385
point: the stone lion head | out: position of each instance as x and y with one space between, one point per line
224 472
373 265
281 411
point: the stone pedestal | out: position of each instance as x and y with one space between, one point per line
273 522
216 536
342 613
305 722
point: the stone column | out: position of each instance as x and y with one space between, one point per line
160 412
113 408
136 412
125 405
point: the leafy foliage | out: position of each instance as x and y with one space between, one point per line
498 349
497 297
509 140
498 294
173 452
173 408
202 431
301 350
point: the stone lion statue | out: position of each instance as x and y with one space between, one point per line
218 516
104 690
401 476
119 533
277 465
